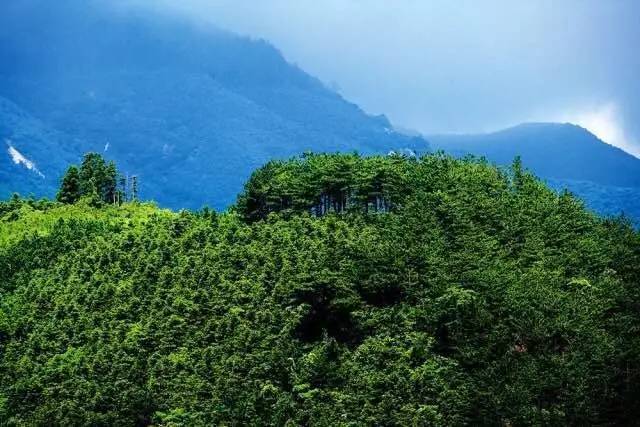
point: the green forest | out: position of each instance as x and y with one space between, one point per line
338 290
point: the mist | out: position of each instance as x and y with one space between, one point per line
456 67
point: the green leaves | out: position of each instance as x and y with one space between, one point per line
326 183
95 181
70 189
479 297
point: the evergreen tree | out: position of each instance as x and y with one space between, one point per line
95 179
70 188
110 183
122 189
98 176
518 172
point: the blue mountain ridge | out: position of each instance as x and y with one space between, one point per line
191 112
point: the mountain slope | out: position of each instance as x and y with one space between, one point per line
568 156
191 112
32 155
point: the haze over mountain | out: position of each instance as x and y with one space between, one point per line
191 112
47 148
443 66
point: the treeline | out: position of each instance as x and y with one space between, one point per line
478 297
347 183
324 183
98 182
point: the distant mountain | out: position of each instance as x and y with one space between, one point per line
191 112
567 156
32 155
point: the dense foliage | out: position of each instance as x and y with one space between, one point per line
474 296
565 155
95 179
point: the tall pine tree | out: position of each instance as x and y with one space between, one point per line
95 179
70 188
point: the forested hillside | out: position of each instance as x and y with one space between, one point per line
339 290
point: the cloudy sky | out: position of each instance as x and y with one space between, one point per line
458 66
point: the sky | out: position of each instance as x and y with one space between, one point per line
462 66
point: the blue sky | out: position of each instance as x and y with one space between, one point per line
458 66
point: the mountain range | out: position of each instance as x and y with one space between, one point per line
192 111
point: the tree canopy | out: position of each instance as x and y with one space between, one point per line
340 290
95 179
